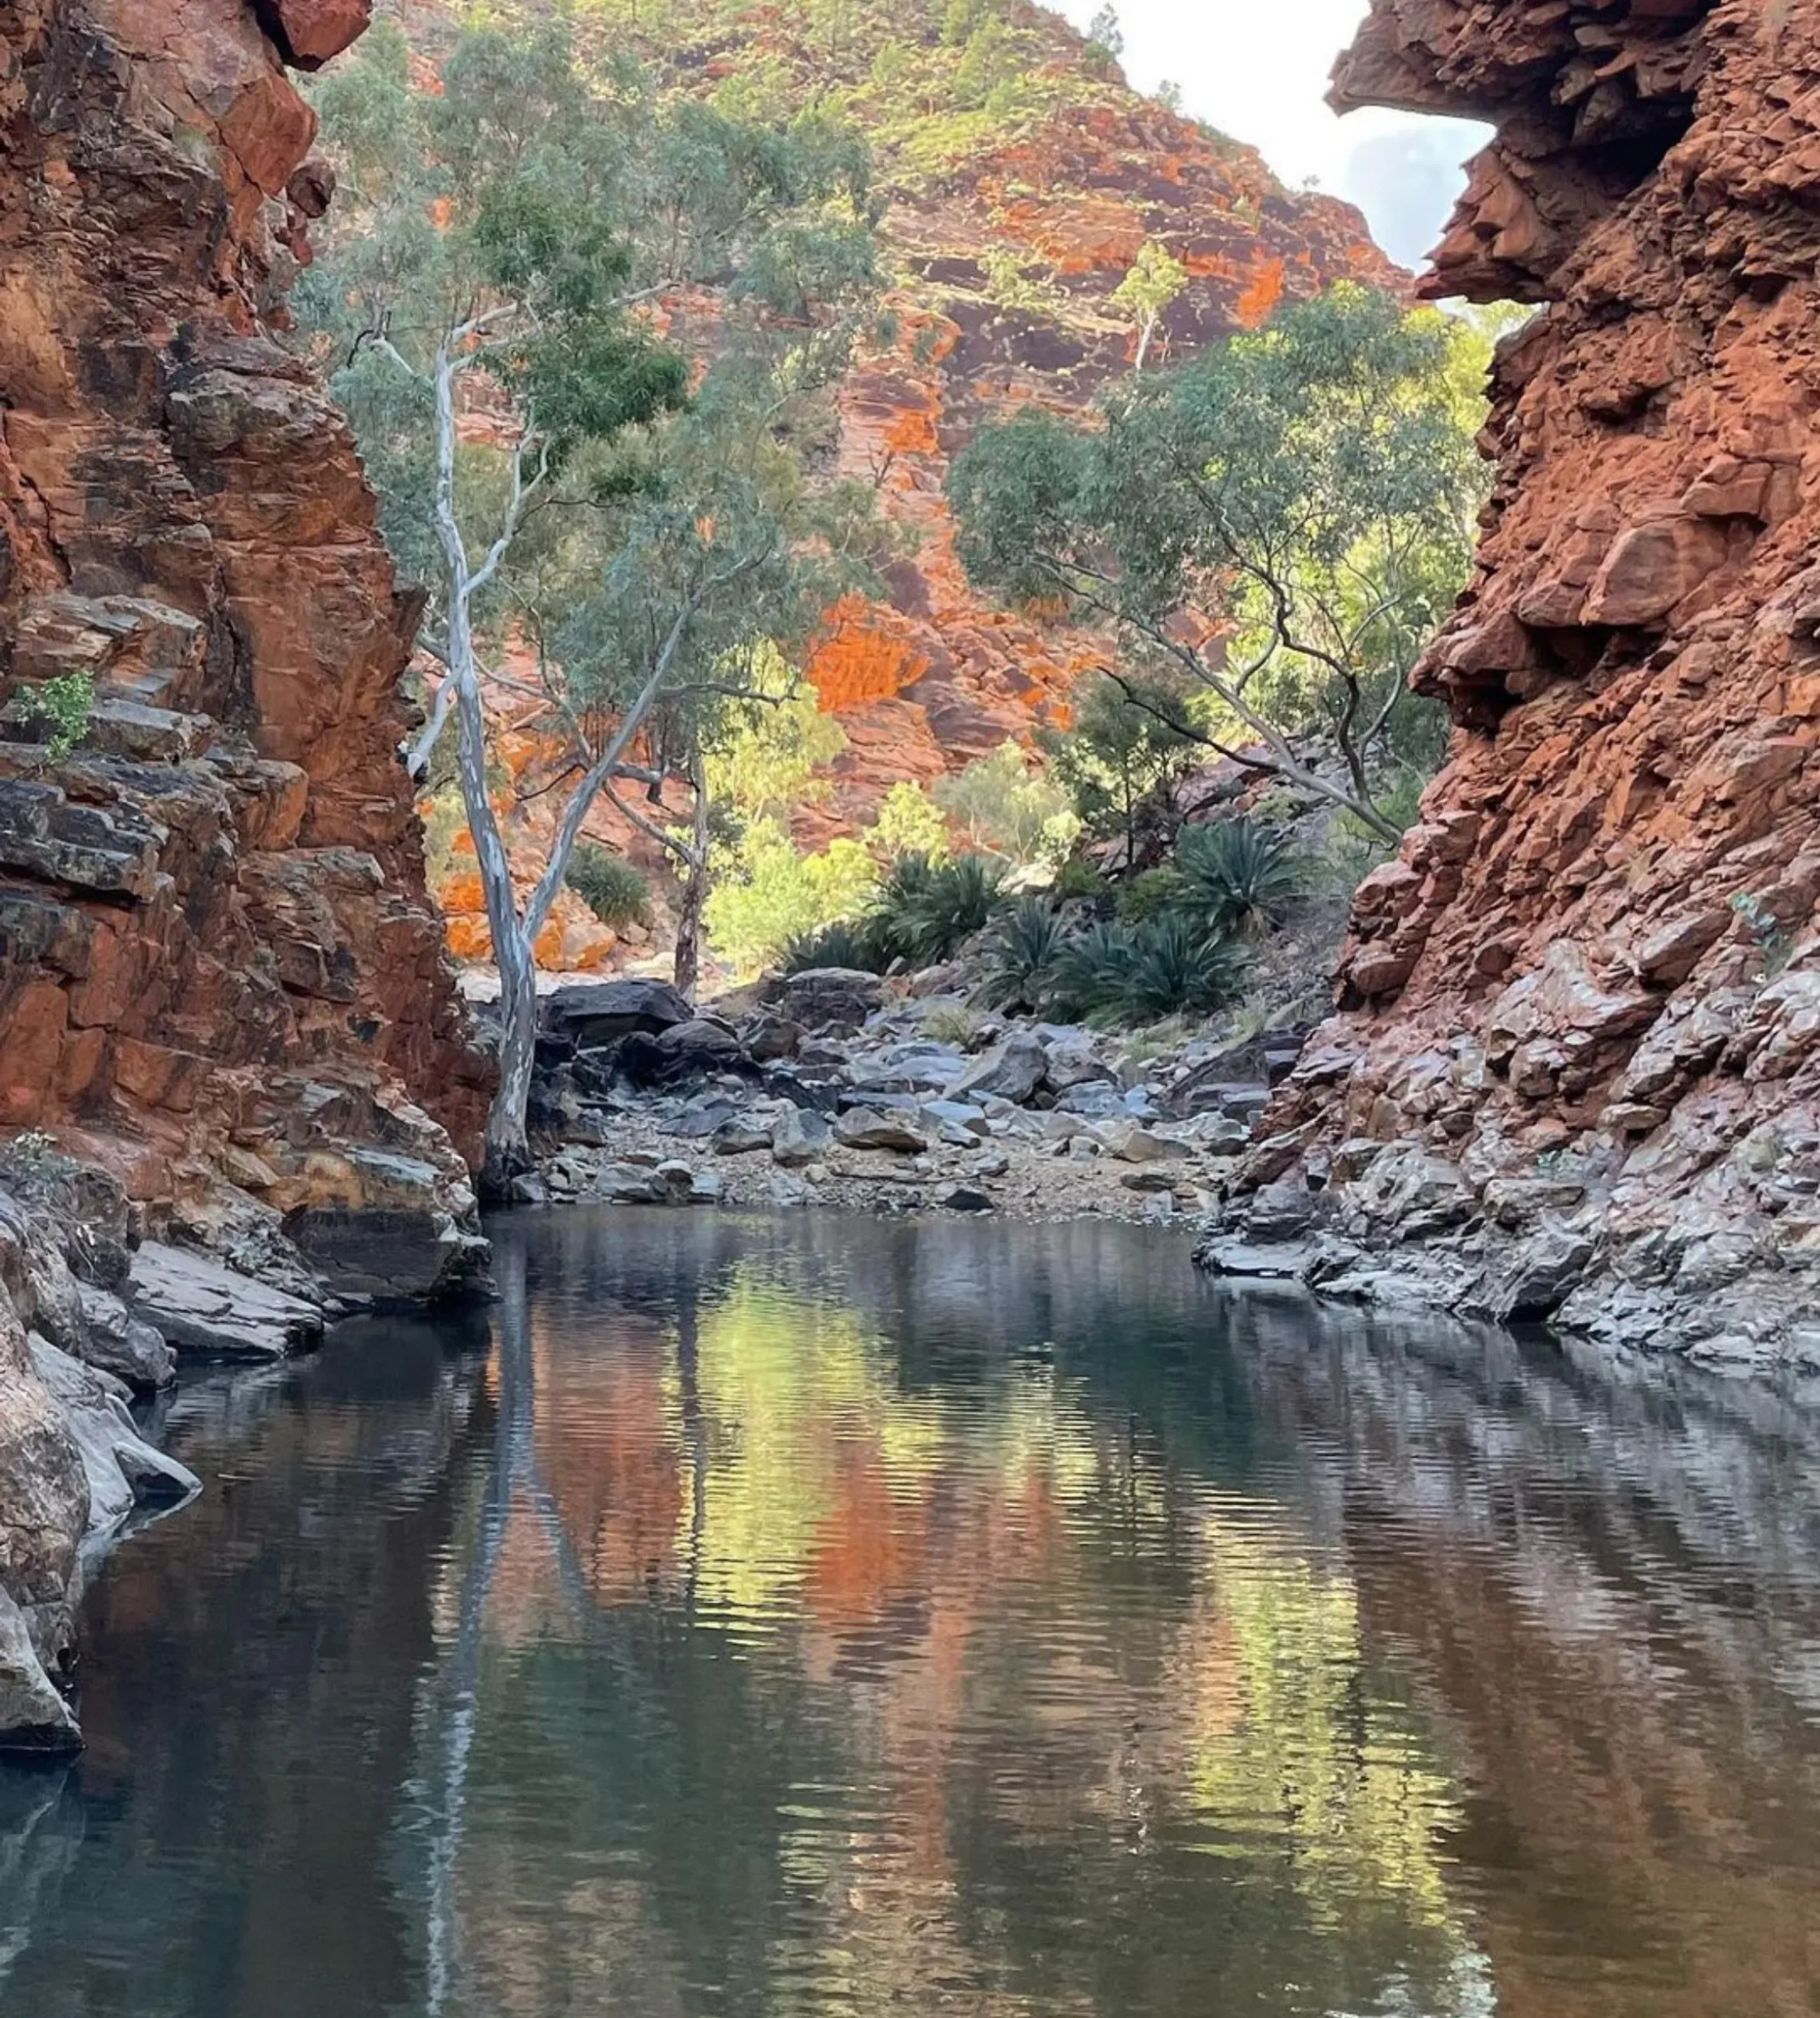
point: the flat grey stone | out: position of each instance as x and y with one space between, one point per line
212 1312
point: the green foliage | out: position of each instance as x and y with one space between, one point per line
924 911
768 754
1104 33
1006 807
1304 496
1149 893
62 706
1078 877
1237 875
1157 277
1087 975
610 886
1021 950
1170 964
842 944
909 823
1176 967
1125 745
767 894
946 1024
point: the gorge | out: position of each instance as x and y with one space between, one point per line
824 1547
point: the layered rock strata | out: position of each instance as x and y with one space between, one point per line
219 971
1575 1068
225 1015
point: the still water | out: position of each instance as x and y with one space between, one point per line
819 1616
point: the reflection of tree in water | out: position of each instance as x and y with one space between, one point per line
931 1691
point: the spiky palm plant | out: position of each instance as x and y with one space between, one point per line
846 943
1175 965
958 900
1237 875
1021 950
1087 974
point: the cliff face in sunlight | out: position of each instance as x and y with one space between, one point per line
219 971
1577 1053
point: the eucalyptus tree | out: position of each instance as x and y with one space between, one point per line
1274 528
492 291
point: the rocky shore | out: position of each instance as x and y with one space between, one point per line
835 1088
1574 1070
94 1318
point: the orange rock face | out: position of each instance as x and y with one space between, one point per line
935 675
1578 1049
216 957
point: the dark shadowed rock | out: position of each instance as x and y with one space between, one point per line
590 1013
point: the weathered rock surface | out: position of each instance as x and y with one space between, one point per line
204 1308
218 967
1583 1004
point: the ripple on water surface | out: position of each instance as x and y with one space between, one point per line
815 1616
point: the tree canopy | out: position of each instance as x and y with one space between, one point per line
1282 520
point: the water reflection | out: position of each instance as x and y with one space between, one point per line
823 1616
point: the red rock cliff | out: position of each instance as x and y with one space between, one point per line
219 968
1577 1053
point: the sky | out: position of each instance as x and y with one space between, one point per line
1258 70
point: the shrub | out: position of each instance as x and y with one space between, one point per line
1021 951
767 893
1087 973
1148 894
62 706
1176 965
910 822
846 943
1078 877
1123 974
610 886
945 1024
1006 807
924 909
1237 876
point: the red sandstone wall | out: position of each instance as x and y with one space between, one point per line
216 957
1580 1016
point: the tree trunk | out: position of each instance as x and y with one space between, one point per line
688 965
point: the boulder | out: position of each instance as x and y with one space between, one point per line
839 999
34 1718
310 31
1131 1143
770 1038
799 1136
969 1198
704 1040
210 1311
116 1342
390 1253
591 1014
741 1136
1012 1070
123 1470
1071 1061
1147 1179
859 1128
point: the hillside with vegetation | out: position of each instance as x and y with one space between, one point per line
1040 228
